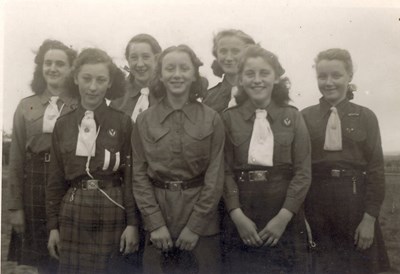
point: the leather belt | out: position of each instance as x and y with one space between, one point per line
337 173
262 175
40 157
92 184
179 185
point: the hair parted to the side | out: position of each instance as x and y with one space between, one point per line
144 38
280 92
96 56
38 84
157 87
247 39
343 56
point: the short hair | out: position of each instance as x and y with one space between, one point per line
196 90
144 38
340 55
96 56
247 39
38 84
280 91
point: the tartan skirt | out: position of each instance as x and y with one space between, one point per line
90 230
31 247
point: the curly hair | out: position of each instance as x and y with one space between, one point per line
96 56
38 84
280 91
158 88
144 38
340 55
247 39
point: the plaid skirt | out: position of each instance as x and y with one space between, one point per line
31 247
90 230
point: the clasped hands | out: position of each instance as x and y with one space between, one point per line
161 238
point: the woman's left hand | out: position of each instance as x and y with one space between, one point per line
275 227
129 240
187 240
364 236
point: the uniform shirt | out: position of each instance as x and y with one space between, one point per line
128 101
291 147
219 96
114 136
361 142
170 145
28 137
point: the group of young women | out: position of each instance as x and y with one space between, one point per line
173 178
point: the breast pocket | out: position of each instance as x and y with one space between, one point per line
283 147
155 143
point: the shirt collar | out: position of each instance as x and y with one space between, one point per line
248 110
164 109
226 86
100 113
325 106
65 97
45 97
133 87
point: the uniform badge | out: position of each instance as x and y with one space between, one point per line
112 132
287 122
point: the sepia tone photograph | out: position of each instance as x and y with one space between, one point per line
241 136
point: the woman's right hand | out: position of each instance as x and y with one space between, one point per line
247 228
54 243
161 238
17 220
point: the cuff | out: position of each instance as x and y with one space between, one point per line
292 204
197 223
15 204
373 210
52 223
154 221
232 201
132 219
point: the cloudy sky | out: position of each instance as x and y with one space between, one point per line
294 30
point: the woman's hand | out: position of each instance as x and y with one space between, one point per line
364 236
17 220
275 227
129 242
187 240
54 244
247 228
161 238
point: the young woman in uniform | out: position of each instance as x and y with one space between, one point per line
227 49
141 53
267 158
30 152
178 170
90 209
348 180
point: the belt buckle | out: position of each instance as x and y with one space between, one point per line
258 175
91 184
335 173
175 185
47 157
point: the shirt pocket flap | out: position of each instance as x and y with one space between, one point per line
355 134
239 138
154 134
198 132
284 138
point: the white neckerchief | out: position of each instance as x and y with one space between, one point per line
142 103
232 101
333 133
51 114
261 149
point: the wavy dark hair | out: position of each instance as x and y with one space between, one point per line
144 38
280 91
340 55
247 39
96 56
38 84
158 88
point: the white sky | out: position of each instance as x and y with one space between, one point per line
296 32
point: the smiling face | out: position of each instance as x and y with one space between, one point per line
333 80
258 79
229 51
177 73
142 61
93 81
56 68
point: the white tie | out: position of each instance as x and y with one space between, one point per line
261 148
86 145
142 103
232 101
50 115
333 134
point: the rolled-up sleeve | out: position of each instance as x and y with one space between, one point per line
210 195
301 157
141 185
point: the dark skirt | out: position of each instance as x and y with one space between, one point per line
334 209
90 231
30 248
261 201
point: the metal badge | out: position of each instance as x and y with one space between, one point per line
287 122
112 132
